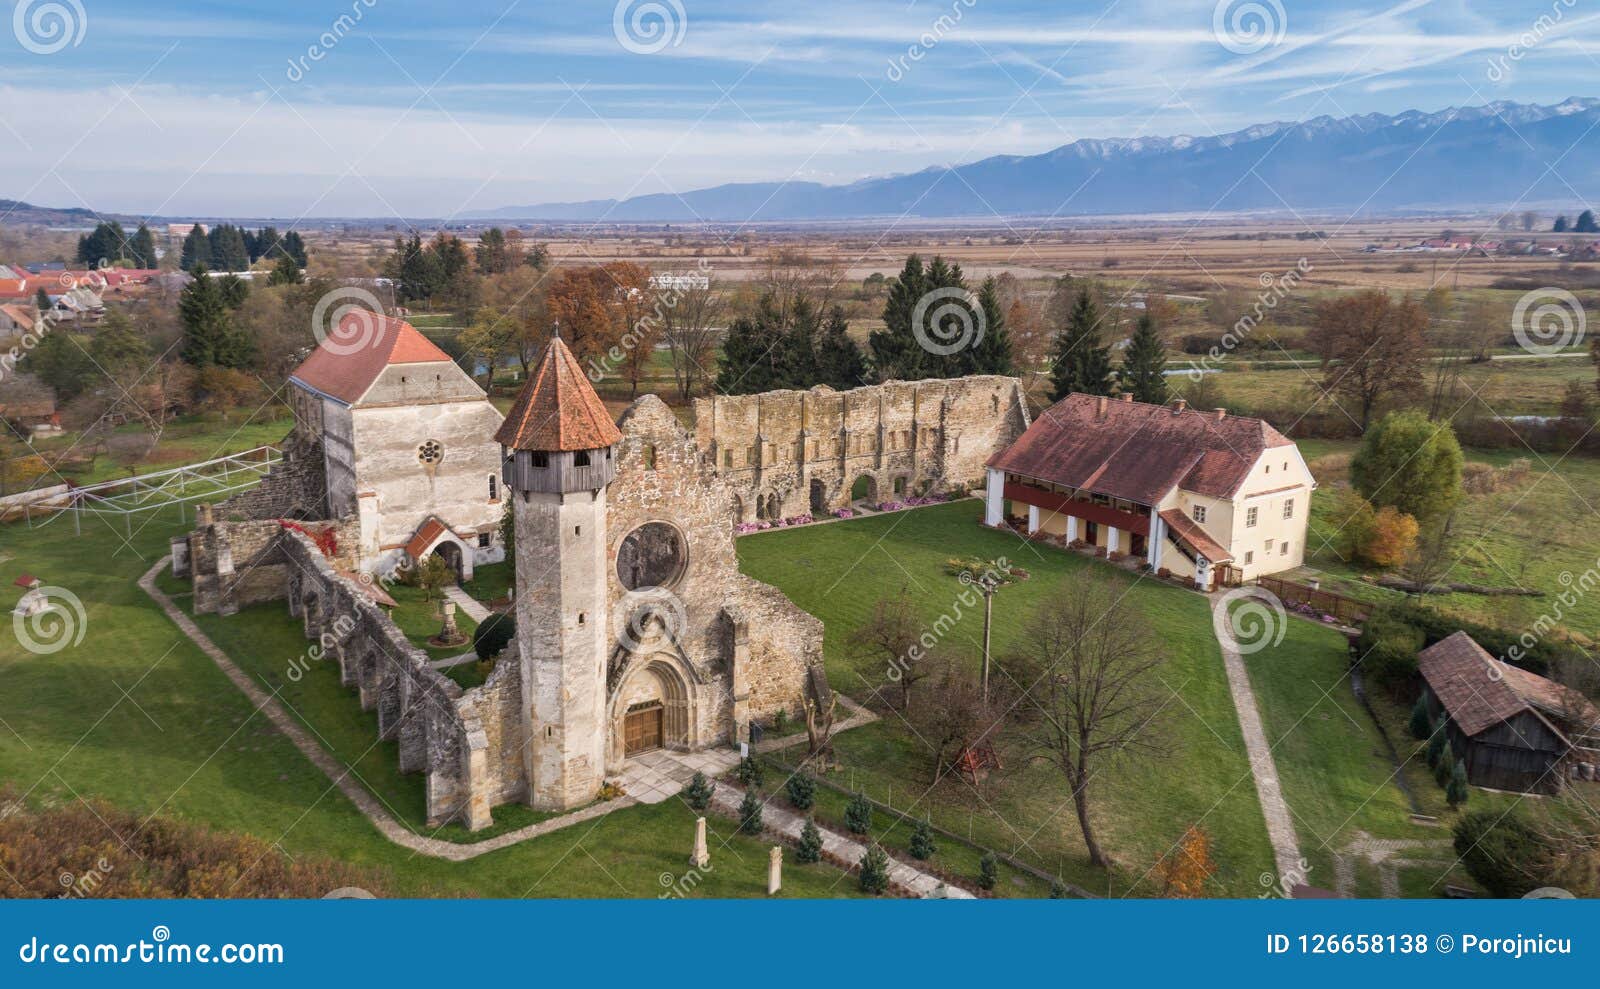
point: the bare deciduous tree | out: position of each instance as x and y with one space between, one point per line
893 634
689 329
1372 349
1089 669
953 716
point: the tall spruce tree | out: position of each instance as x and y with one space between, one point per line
285 272
196 250
228 252
839 363
752 353
1080 362
106 245
992 354
211 334
294 245
897 352
1144 362
142 249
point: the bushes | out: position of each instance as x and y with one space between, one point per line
1408 462
858 814
491 638
1506 854
988 871
1388 647
1539 657
810 849
802 791
922 847
874 871
750 813
1373 537
750 772
698 793
119 854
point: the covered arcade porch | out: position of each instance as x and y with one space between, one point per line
1163 539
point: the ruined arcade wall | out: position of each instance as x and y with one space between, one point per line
788 453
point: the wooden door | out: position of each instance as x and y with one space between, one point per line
642 729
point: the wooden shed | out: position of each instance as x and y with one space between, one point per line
1513 729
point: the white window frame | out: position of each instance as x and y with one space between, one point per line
1288 508
1198 513
1250 515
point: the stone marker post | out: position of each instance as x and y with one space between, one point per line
701 857
774 870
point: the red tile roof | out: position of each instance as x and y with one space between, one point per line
1138 451
1479 691
1189 532
558 409
420 543
364 343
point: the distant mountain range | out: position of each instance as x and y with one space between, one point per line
1498 154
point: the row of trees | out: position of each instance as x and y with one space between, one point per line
109 244
442 271
1584 224
226 247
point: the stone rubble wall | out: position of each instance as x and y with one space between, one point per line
296 487
788 453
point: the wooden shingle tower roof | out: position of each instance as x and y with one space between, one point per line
558 410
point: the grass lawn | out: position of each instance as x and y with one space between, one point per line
837 572
186 440
420 620
184 742
1526 536
490 582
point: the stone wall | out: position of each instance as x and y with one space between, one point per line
236 564
788 453
295 488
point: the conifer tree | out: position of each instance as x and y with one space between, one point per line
285 272
196 250
1436 745
1421 726
1456 790
1144 363
1080 362
698 793
750 771
897 353
858 814
922 847
802 791
211 335
874 871
810 849
992 354
839 362
142 249
750 813
988 871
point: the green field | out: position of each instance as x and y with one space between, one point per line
184 742
1527 535
838 570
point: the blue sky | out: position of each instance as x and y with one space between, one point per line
431 109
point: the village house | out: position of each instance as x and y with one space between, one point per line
1189 492
17 318
28 405
1514 730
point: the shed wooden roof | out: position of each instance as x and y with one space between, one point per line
558 409
1479 691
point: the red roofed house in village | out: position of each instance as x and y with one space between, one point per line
407 442
1187 490
1515 730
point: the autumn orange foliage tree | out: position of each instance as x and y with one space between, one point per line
1186 869
1392 538
598 306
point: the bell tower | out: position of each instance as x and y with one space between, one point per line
559 446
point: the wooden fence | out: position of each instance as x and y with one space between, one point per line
1348 610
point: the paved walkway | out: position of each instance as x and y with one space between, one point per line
1388 855
469 605
660 775
1280 824
343 776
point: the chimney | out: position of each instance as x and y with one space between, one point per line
1221 414
1100 407
1178 405
1127 396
